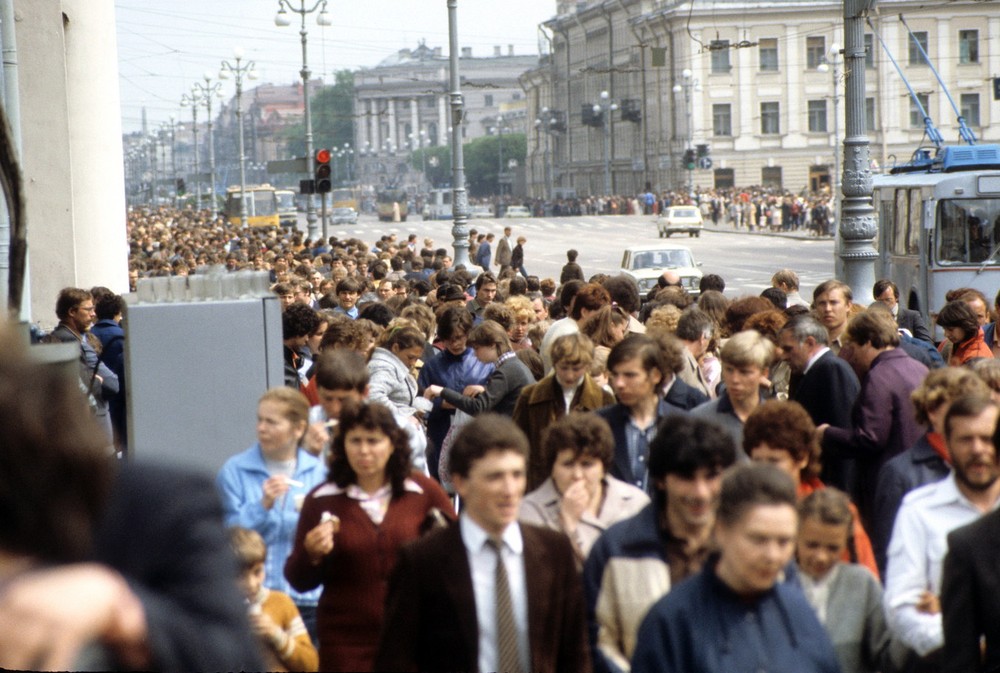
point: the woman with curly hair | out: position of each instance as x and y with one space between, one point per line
352 527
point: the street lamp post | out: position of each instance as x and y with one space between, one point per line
604 109
239 70
206 92
687 82
832 65
192 100
282 19
152 158
173 158
460 198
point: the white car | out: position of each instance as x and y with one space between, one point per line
517 211
344 216
680 220
646 263
481 213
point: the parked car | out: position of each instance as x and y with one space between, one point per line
481 212
344 216
646 263
517 211
680 220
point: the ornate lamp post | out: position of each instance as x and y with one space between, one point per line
460 198
239 70
604 109
206 92
686 84
193 100
282 19
832 65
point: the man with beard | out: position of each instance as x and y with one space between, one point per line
919 537
638 560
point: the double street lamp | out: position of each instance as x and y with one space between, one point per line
831 64
194 101
282 19
546 123
240 70
603 110
687 83
205 92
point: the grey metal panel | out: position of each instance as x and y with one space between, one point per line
195 371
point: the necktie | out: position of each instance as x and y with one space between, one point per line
508 659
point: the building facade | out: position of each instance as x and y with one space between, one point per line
759 85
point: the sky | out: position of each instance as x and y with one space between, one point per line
163 48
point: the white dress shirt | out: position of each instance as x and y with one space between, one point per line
916 554
482 564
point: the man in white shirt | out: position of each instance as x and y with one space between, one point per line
919 538
487 593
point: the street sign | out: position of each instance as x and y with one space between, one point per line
705 163
296 165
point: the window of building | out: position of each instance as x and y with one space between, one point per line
720 56
870 114
768 54
770 118
916 57
488 100
815 51
968 46
916 117
722 119
725 178
869 51
969 105
817 116
517 95
770 176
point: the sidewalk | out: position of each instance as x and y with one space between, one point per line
801 234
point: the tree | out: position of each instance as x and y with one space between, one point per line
482 161
332 117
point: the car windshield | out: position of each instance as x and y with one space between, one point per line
687 212
341 211
661 259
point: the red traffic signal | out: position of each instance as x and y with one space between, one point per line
321 171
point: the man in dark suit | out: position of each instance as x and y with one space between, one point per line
637 371
969 590
486 593
886 292
822 383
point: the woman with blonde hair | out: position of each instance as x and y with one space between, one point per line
524 317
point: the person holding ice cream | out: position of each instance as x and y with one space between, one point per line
263 488
352 527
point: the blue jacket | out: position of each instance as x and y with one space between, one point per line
702 626
617 416
241 484
483 255
450 371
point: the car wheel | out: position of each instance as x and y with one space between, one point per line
697 234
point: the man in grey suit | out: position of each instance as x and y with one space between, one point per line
486 593
886 292
504 250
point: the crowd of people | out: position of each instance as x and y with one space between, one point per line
504 472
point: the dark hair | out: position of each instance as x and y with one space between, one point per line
742 308
624 291
877 327
685 444
959 314
298 320
378 312
348 285
585 434
831 507
591 296
452 319
756 484
776 296
694 324
533 361
641 347
483 278
370 416
341 369
712 282
567 293
108 306
69 298
518 287
571 255
55 468
884 284
485 433
343 333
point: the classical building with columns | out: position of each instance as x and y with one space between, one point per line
758 83
402 103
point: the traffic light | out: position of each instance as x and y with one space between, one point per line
689 159
702 151
179 187
321 171
996 88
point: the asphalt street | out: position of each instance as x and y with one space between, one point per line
746 261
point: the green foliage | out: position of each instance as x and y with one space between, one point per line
482 161
332 117
439 175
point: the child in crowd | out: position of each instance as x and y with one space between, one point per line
274 618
